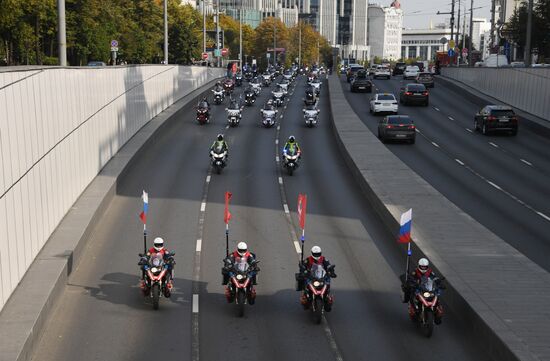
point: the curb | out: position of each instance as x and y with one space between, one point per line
25 314
483 328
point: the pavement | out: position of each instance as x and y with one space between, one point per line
101 314
489 280
502 182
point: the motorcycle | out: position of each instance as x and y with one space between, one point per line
203 116
278 98
218 159
228 86
233 117
248 76
311 117
266 80
219 96
249 98
291 160
240 289
316 87
424 304
238 79
156 280
310 98
268 117
256 87
316 296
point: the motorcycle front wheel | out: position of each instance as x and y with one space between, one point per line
156 295
428 326
317 310
290 171
240 302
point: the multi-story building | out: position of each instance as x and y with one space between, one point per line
423 43
352 39
385 31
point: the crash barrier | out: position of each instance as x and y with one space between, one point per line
488 281
58 128
527 89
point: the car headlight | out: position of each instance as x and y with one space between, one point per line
427 294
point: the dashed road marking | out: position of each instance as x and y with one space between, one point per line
526 162
208 177
285 206
436 108
276 141
280 180
459 161
277 158
332 341
298 248
195 303
493 144
417 130
543 216
435 144
198 247
281 117
451 118
203 206
494 185
469 130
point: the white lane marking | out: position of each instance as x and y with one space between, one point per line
543 216
494 185
285 206
227 126
468 130
526 162
298 248
276 141
203 206
195 303
281 116
278 127
277 158
331 340
459 161
435 144
285 106
451 118
437 109
198 247
417 130
280 180
493 144
208 179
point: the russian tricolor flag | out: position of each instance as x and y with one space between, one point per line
143 214
405 229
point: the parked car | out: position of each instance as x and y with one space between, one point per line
361 82
382 103
399 68
411 72
352 69
496 118
382 72
425 78
414 94
397 127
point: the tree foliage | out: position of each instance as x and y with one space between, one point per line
515 30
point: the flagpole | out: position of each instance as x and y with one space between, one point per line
144 238
409 253
227 239
303 240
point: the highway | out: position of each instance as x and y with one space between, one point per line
102 315
499 180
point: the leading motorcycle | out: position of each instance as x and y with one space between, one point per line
240 288
424 303
218 159
156 281
316 296
291 160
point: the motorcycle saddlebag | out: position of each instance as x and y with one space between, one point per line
299 281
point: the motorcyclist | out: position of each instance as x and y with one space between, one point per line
220 143
204 104
422 271
167 256
219 86
305 266
236 256
291 146
268 105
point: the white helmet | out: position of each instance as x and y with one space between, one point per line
158 243
242 248
316 252
423 265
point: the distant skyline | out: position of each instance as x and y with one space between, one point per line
418 13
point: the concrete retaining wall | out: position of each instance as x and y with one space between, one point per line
500 295
524 88
58 128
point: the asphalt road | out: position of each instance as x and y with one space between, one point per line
102 315
501 181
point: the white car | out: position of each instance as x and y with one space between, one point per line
382 72
383 103
411 72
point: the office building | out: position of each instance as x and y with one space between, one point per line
385 31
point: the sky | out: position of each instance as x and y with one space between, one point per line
418 13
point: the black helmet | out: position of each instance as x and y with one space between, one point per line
220 137
291 139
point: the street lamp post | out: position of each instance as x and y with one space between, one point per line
471 33
61 33
241 36
300 44
528 56
165 32
274 43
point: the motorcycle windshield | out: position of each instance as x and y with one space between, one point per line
157 260
241 265
218 149
427 284
318 272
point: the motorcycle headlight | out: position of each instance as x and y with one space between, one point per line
427 294
154 270
240 277
316 284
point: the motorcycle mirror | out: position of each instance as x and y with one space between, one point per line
172 253
140 254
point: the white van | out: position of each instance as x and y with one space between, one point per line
494 60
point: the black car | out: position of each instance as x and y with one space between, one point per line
425 78
496 118
353 68
360 82
399 68
414 94
397 127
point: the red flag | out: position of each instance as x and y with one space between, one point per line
227 214
302 205
143 217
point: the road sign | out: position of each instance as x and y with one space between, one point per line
268 55
443 40
217 52
204 56
114 48
114 44
451 53
225 51
451 43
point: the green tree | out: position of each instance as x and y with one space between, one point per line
184 35
263 39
